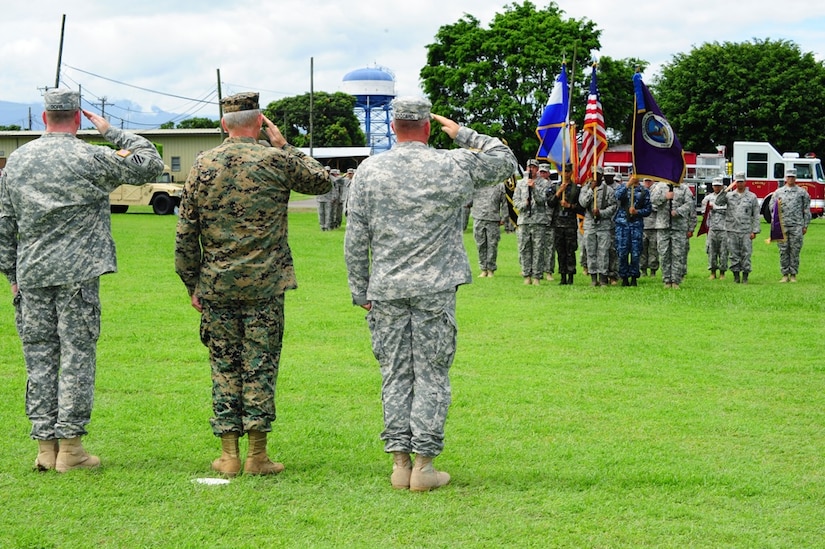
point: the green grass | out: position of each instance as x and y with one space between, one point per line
581 417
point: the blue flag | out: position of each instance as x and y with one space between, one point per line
657 153
554 139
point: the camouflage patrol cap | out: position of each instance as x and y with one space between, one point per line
544 168
608 170
790 172
246 101
717 181
61 100
532 162
739 176
411 108
350 170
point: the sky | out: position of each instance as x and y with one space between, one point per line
153 55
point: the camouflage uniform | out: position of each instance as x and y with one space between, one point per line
339 184
741 221
672 229
55 242
598 228
326 203
532 225
650 250
795 213
565 225
405 255
487 203
231 251
630 228
717 240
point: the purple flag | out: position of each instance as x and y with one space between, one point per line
777 230
657 152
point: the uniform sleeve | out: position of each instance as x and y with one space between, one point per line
806 208
756 225
612 205
136 162
356 246
8 234
187 236
485 158
306 174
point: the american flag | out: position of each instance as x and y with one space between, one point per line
594 141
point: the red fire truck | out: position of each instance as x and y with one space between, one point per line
765 169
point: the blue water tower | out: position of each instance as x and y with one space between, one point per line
374 90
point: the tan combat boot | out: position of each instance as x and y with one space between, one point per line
46 454
257 462
72 456
229 463
424 477
401 470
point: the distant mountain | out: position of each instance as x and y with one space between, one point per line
122 114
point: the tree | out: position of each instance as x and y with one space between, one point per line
497 80
752 91
334 120
10 128
199 123
615 79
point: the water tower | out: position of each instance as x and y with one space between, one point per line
374 90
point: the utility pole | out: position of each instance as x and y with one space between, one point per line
60 52
102 106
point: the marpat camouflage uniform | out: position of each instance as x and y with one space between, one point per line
405 255
231 251
55 242
795 213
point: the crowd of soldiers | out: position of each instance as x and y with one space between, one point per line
627 230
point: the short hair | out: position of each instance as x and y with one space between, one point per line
59 117
241 119
409 125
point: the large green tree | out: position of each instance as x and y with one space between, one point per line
761 90
334 122
615 80
497 79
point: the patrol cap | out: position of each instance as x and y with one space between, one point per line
544 168
790 172
350 170
532 162
608 170
717 181
600 170
61 100
246 101
739 176
411 108
335 171
617 178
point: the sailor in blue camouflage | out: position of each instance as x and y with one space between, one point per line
530 200
487 205
633 207
232 254
795 214
405 260
599 203
742 225
55 242
675 211
717 240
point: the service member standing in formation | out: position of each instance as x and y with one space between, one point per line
339 184
741 224
599 203
55 242
564 200
794 209
326 203
649 262
487 204
405 260
676 208
530 200
633 206
232 254
717 241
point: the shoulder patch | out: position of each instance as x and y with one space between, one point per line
137 159
123 153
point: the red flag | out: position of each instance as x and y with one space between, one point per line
703 227
594 141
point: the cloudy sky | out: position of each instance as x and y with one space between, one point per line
147 55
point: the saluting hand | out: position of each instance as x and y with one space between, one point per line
99 122
276 138
447 126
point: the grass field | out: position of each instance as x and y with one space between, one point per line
581 417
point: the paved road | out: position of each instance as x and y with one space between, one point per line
304 205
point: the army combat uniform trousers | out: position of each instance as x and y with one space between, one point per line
414 341
789 251
672 254
487 235
244 339
531 248
717 250
740 249
59 327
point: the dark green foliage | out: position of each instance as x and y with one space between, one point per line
334 120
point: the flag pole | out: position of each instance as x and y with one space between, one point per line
571 84
595 145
